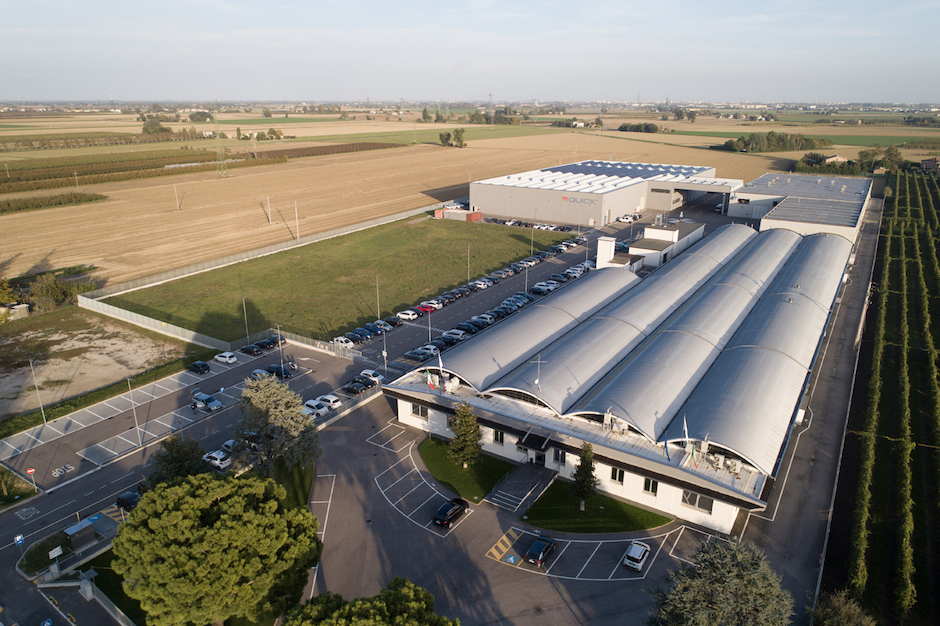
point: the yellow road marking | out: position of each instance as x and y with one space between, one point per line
501 547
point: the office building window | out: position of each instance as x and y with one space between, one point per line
616 475
697 501
419 411
498 437
650 486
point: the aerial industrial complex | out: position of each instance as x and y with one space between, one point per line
687 382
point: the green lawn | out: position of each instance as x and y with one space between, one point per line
16 489
37 555
472 483
558 510
327 288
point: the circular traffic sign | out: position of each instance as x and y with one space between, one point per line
30 471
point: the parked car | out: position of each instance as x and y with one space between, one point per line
407 314
539 291
486 317
219 459
561 278
345 342
258 374
374 329
251 349
424 308
496 314
374 375
266 344
512 305
385 326
226 357
331 401
471 287
468 328
199 367
478 324
434 304
393 320
281 371
418 355
230 446
463 291
540 550
450 512
359 330
128 500
353 388
277 340
365 381
459 335
355 337
447 340
429 347
205 401
524 296
479 319
636 555
316 407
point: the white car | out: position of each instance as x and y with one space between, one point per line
229 446
331 401
374 375
434 304
343 341
625 218
434 350
226 357
547 286
636 555
218 459
315 407
459 335
407 315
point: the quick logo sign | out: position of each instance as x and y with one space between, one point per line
579 200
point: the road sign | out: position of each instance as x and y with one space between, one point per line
56 551
47 622
30 471
19 540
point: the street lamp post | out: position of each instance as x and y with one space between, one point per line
245 309
42 410
140 442
280 345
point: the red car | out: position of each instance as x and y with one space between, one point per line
425 308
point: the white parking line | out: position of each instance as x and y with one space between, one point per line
421 505
96 415
146 393
166 389
407 494
596 548
391 467
111 405
555 560
49 426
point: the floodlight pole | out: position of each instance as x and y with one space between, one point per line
177 196
468 261
76 182
378 306
245 309
42 410
280 345
140 442
296 220
429 325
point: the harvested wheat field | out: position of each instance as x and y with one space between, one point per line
139 231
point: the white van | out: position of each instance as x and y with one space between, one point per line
343 341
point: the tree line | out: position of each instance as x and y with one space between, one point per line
773 142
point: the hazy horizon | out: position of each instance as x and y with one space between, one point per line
727 51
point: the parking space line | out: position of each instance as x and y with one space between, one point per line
145 392
130 442
620 562
105 402
111 452
96 415
407 494
329 501
596 548
557 558
410 472
166 389
391 467
421 505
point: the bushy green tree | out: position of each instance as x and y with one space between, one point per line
585 481
6 292
266 112
445 139
274 421
465 447
425 116
401 603
200 116
49 291
206 549
177 458
458 138
152 126
728 583
839 609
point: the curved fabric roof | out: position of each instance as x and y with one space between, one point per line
482 360
746 401
569 367
648 388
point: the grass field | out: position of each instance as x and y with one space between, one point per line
423 134
842 140
472 483
327 288
559 510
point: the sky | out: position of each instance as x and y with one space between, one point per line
441 50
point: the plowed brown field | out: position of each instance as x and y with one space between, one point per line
139 231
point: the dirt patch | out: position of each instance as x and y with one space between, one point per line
91 352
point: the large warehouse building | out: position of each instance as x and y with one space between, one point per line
686 383
595 193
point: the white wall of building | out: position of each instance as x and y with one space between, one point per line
668 499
